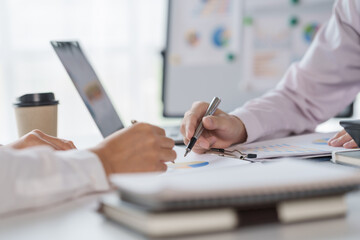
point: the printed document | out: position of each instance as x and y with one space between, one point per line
196 162
308 145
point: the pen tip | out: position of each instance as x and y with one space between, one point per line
186 152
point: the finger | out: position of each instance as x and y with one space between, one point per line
160 167
166 142
199 150
186 141
140 126
350 144
159 130
203 142
60 143
155 129
201 146
198 109
215 122
337 135
167 155
42 141
191 122
212 141
340 141
193 117
35 138
68 145
72 145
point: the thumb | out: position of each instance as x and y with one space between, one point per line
214 122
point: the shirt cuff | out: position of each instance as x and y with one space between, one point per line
253 127
92 167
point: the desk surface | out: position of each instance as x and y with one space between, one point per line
79 220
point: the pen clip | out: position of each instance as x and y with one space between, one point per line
232 154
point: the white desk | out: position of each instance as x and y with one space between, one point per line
79 220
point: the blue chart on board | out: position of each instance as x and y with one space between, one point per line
221 37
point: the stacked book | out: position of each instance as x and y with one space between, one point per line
160 205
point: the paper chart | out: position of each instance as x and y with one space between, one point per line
303 145
197 162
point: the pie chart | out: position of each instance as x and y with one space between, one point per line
221 37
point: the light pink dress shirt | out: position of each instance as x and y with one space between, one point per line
315 89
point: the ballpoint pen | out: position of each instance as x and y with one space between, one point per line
200 128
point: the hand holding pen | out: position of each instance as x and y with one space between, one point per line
220 130
200 128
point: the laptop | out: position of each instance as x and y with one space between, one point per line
92 92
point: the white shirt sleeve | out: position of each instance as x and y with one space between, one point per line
40 176
325 81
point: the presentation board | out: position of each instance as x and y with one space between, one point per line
234 49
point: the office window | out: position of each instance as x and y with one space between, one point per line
122 39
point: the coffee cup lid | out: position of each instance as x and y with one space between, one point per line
36 99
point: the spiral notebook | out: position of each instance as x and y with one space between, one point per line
249 185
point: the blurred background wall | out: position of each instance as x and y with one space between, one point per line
123 40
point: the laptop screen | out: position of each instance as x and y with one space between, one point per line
89 87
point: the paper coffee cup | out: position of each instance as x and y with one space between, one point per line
36 111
